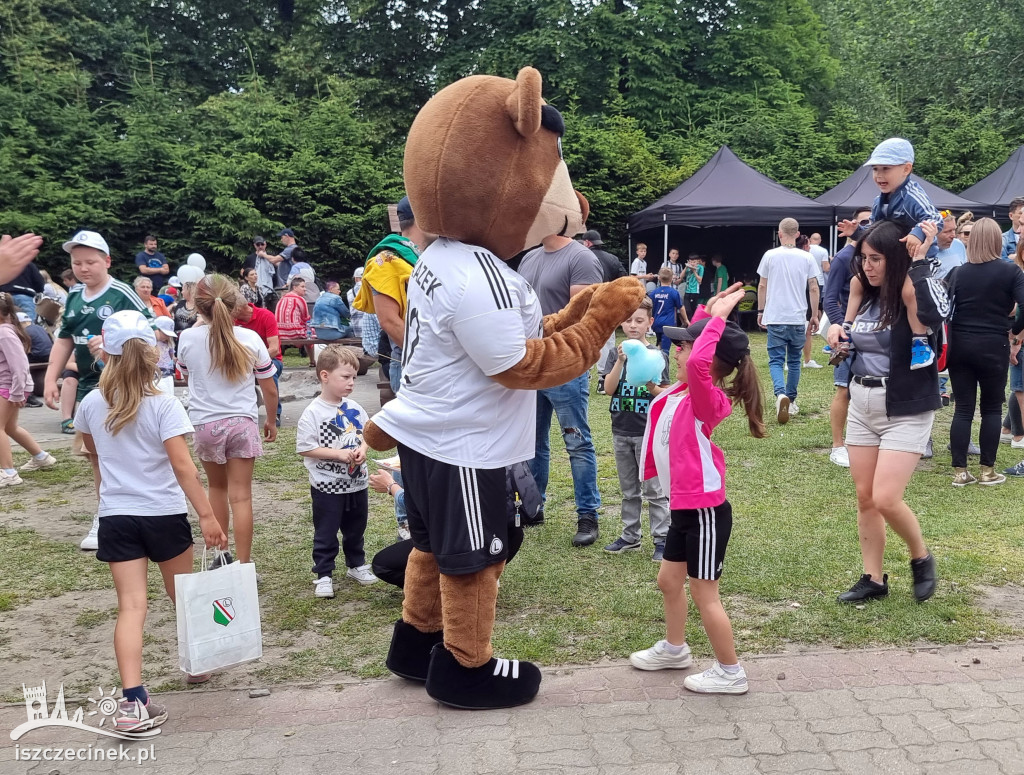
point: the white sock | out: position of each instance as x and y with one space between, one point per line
673 649
42 455
731 669
10 471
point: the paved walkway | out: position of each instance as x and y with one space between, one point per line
943 710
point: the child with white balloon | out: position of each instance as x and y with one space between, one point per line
633 374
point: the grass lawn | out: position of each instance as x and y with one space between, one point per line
793 548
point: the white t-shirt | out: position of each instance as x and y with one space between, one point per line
787 271
820 257
639 266
334 427
468 317
137 477
211 396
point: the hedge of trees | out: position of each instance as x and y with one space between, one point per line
208 121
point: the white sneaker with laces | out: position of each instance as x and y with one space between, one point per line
47 462
8 480
840 456
91 541
657 657
324 587
362 574
715 680
812 364
793 408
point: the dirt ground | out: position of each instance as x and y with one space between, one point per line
69 638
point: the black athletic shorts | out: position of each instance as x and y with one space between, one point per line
122 538
460 515
698 537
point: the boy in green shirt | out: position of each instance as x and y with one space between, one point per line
95 298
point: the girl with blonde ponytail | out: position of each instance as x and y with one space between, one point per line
137 436
219 360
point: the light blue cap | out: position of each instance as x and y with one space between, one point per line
890 152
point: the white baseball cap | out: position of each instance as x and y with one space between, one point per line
124 325
23 318
89 239
166 325
358 272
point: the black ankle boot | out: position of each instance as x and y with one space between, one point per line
500 683
923 571
409 655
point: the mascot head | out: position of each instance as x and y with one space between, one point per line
483 165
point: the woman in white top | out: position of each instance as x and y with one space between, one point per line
138 436
219 360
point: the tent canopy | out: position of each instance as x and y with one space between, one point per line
727 192
859 190
998 188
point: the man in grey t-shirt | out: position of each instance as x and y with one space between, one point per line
558 270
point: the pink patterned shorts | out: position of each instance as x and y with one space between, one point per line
232 437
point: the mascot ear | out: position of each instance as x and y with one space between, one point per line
524 103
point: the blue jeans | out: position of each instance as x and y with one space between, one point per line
26 304
278 368
327 334
395 373
569 403
785 345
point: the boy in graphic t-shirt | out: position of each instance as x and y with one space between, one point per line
330 440
628 407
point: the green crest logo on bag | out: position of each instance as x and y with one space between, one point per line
223 611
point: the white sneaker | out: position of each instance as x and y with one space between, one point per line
1005 438
91 541
1013 443
324 587
793 408
403 531
782 408
840 456
362 574
715 680
8 480
658 658
812 364
50 461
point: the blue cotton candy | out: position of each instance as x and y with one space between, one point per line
642 365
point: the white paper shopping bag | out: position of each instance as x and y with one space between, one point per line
218 618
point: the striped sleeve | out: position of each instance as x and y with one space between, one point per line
495 282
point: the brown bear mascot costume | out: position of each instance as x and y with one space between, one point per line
484 171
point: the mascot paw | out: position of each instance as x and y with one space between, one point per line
500 683
623 295
409 655
377 439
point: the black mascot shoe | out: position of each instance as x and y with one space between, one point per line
409 655
501 683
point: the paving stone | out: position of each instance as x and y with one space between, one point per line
1008 754
797 738
760 737
556 759
997 730
841 724
796 762
945 752
549 742
857 741
906 729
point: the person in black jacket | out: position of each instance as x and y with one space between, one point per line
891 406
983 293
24 288
611 267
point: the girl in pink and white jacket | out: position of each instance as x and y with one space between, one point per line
679 451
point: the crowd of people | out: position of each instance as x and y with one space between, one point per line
913 295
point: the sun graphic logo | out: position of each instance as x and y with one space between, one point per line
106 706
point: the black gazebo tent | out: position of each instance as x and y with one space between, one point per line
998 188
725 192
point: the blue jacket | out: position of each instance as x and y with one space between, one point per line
1009 245
837 287
330 312
908 205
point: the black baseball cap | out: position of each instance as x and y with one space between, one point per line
593 236
732 347
286 233
405 210
258 240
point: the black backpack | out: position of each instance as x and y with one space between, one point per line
524 501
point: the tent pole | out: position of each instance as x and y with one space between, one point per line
664 254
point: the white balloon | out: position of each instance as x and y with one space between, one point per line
195 259
189 274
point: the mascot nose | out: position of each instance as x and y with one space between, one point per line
584 204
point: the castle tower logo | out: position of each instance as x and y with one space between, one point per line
107 706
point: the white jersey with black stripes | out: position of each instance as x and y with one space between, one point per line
468 318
